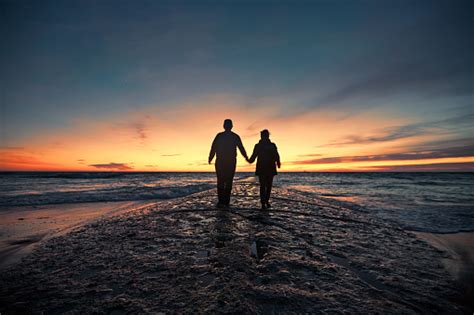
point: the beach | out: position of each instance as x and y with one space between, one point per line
184 255
23 227
458 259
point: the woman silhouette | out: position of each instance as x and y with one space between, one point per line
268 158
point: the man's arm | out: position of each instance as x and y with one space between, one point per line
254 154
277 157
241 148
213 150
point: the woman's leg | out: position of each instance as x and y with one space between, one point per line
268 189
262 181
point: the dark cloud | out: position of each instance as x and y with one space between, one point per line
437 167
435 145
463 151
387 134
448 125
113 166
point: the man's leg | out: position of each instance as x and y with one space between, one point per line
227 190
220 185
229 177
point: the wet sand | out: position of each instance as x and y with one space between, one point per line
23 227
184 255
458 259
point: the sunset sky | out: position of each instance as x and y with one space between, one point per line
145 85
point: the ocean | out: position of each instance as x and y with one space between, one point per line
430 202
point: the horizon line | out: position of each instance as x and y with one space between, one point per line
329 171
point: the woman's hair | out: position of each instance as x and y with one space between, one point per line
265 134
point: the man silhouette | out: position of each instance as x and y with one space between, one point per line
225 146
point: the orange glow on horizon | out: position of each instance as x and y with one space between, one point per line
179 139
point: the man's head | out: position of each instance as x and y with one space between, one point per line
264 134
228 125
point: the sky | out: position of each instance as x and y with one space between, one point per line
145 85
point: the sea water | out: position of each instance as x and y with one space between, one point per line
435 202
432 202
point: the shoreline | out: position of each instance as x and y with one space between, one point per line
184 255
22 228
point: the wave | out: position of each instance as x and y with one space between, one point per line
102 195
432 183
335 195
67 175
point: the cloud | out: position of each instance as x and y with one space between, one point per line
403 78
136 126
448 125
429 57
387 134
452 152
113 166
140 130
310 155
167 155
437 167
9 148
445 143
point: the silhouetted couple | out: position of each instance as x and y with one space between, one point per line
225 147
